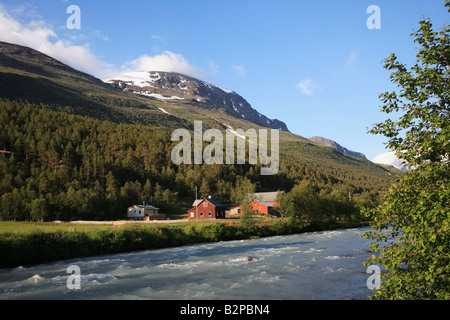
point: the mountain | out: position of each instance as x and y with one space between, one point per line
333 144
179 88
29 75
164 102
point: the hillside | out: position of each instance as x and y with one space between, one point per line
75 142
26 74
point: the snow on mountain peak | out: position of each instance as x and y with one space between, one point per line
225 90
138 78
170 86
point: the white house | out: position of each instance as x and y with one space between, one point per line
141 211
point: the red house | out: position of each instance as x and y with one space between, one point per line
264 207
207 209
261 207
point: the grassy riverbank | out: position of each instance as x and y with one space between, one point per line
23 243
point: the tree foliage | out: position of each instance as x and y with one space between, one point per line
308 204
411 228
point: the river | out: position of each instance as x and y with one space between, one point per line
317 265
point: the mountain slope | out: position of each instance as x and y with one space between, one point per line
333 144
179 88
26 74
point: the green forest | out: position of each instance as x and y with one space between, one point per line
59 166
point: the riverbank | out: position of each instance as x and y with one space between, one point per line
34 243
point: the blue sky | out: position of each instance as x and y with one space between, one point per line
312 64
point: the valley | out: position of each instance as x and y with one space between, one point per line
76 147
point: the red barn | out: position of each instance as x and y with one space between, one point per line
264 207
207 209
261 207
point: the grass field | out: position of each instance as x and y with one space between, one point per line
33 227
25 243
21 227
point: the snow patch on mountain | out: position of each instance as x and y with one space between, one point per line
225 90
137 78
230 129
170 86
161 109
158 96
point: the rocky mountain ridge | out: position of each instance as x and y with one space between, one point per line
333 144
177 88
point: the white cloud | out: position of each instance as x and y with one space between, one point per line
99 35
26 11
41 36
213 67
307 86
390 158
156 37
240 70
166 61
351 60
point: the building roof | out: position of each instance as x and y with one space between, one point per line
265 196
264 203
213 201
270 205
146 207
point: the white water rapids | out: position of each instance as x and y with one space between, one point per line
316 265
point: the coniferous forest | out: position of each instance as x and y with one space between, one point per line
59 166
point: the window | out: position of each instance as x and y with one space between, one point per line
205 204
192 214
209 213
201 214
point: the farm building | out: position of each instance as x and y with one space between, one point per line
264 207
145 212
261 207
207 208
234 210
269 197
261 202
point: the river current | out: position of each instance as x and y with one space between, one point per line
317 265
